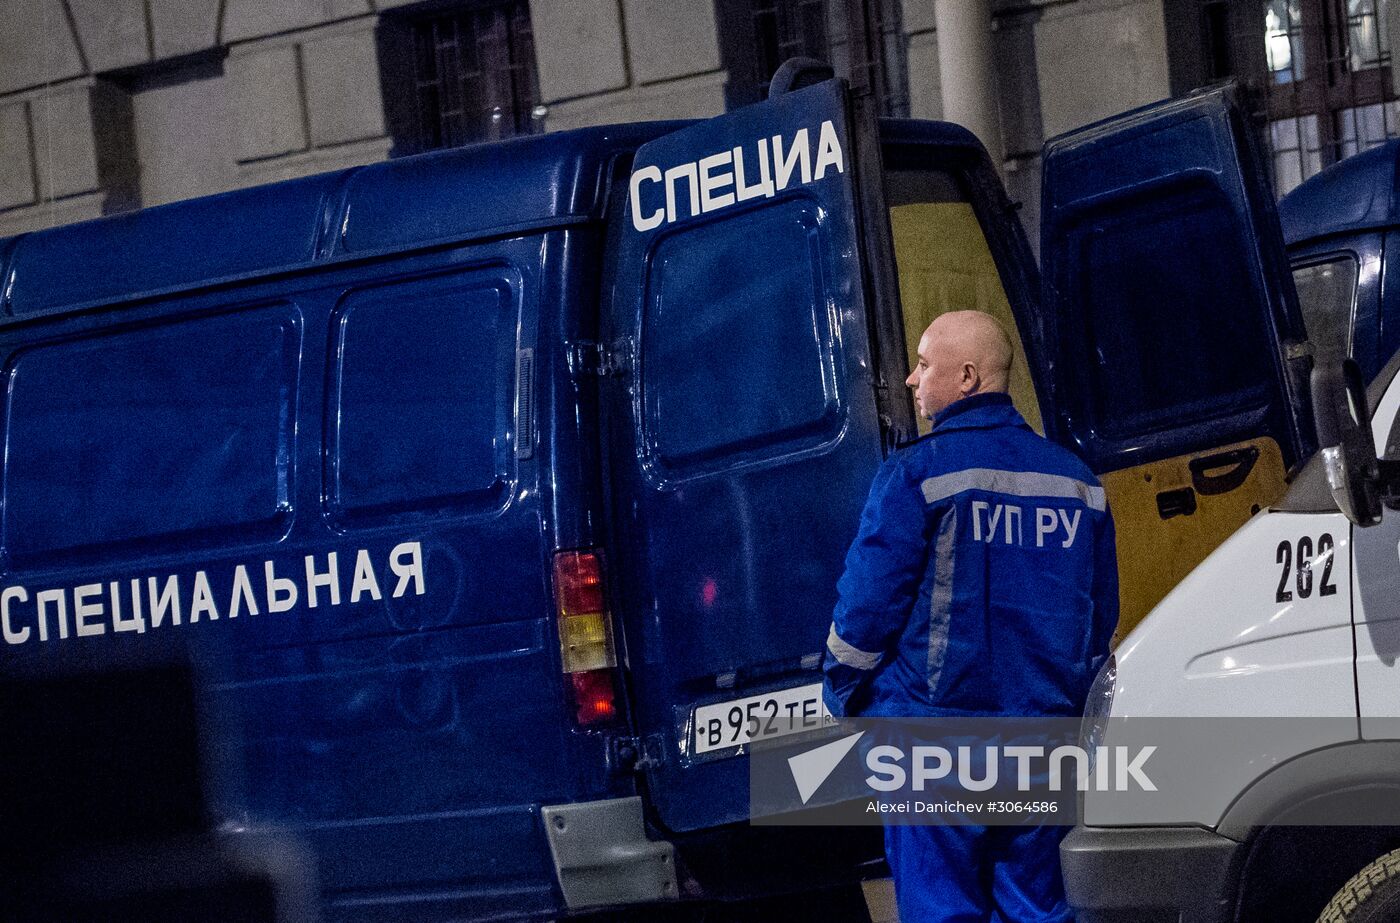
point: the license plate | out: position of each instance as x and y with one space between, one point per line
759 717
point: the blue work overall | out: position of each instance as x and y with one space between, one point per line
983 582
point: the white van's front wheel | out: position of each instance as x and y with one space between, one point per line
1372 895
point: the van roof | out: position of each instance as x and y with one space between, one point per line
488 189
1356 194
484 189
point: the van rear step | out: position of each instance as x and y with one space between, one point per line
602 856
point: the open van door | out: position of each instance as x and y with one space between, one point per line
743 432
1181 361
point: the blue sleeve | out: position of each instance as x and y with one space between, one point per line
1105 592
878 589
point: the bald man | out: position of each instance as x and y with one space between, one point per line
961 354
982 583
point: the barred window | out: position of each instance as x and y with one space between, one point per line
1320 70
756 36
460 76
1327 85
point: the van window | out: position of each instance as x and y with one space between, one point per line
1140 282
737 350
423 393
177 435
945 265
1327 297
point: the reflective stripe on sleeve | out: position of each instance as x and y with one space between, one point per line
941 603
850 656
1014 483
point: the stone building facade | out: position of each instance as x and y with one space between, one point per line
108 105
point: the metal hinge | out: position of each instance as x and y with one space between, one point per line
589 358
633 754
1297 349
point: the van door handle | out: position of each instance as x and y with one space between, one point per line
1179 502
1239 461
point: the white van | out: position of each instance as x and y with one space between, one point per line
1293 622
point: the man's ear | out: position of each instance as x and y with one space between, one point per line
970 379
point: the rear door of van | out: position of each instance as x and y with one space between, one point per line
746 415
1180 358
748 418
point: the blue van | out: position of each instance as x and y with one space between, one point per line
499 494
1342 228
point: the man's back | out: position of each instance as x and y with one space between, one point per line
983 576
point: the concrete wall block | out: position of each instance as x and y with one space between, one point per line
578 44
36 45
184 138
265 94
16 160
64 148
668 39
51 214
248 19
314 161
342 87
925 85
696 98
183 26
113 32
918 15
1097 59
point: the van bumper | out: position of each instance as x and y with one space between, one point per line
1150 874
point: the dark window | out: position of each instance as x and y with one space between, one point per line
1320 71
1212 40
459 76
737 355
423 397
1134 292
756 36
1327 84
1327 297
169 437
1215 24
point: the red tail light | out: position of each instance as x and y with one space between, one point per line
585 636
578 583
595 699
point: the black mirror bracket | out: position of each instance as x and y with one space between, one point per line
1388 483
1354 474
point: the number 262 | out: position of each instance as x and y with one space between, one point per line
1303 575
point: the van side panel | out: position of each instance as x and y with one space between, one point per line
313 486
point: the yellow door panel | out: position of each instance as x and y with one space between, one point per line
945 265
1171 514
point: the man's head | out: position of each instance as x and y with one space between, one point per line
962 353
